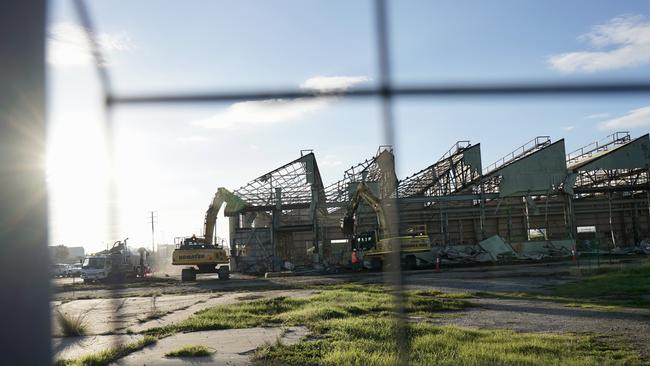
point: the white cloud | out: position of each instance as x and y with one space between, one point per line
68 45
272 111
568 128
635 118
333 83
193 139
330 160
622 42
598 116
264 112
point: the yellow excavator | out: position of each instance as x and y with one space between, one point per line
377 244
201 254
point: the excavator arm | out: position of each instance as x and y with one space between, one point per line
363 193
233 205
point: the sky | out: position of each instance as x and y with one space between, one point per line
171 159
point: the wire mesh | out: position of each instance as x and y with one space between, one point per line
261 190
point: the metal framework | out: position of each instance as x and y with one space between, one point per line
615 163
373 170
450 174
521 152
491 177
292 186
597 148
611 180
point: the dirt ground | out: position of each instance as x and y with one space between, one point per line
512 278
132 307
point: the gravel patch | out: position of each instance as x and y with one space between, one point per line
231 347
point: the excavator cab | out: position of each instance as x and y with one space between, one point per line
193 242
199 253
365 241
200 257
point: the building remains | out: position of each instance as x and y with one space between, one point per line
535 202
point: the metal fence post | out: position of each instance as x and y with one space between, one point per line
24 263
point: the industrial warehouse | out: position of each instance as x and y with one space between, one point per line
538 201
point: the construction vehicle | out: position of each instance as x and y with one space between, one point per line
378 244
115 264
202 254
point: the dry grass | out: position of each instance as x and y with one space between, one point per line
105 357
190 351
72 325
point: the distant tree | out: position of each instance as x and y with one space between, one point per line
61 253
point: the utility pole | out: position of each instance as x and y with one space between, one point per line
152 220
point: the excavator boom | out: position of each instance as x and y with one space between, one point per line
363 193
233 204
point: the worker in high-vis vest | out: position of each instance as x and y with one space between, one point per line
355 260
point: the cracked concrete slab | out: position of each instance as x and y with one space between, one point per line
106 316
231 347
225 299
116 316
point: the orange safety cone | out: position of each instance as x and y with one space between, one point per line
437 264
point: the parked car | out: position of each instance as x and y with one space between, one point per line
74 270
59 270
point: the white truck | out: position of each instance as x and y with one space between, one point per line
115 264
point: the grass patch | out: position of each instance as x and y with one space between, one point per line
592 306
341 302
71 325
355 325
243 315
430 304
525 296
616 286
190 351
456 295
369 340
608 290
107 356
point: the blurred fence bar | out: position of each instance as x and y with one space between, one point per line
24 265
